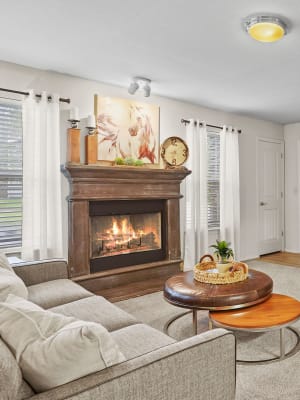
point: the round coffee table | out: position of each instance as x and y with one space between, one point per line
182 290
278 312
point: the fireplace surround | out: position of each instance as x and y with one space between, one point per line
123 225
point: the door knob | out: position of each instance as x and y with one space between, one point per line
262 203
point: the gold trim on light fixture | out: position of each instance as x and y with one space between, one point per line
265 28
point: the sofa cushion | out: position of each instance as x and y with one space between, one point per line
53 349
12 385
54 293
97 309
10 283
4 263
135 340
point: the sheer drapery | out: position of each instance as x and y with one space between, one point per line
196 225
230 189
42 211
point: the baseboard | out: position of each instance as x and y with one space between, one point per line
292 250
249 258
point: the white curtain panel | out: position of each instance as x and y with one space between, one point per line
196 226
42 211
230 189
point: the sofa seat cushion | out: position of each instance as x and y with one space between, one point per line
12 385
97 309
54 293
139 339
53 349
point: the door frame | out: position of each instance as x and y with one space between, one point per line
281 142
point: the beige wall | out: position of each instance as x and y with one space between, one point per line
81 92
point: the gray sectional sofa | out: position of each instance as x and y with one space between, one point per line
156 366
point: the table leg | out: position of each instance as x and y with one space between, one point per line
282 343
195 322
210 324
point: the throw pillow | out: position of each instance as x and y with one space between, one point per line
11 283
4 263
52 349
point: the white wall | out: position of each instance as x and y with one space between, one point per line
292 181
81 92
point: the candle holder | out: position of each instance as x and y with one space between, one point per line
91 145
91 129
74 123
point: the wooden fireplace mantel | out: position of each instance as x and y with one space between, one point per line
115 182
102 183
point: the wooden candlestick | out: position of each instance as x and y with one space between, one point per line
91 148
73 146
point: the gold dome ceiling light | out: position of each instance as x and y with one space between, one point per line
265 28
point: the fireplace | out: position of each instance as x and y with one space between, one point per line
124 233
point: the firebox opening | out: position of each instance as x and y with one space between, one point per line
124 233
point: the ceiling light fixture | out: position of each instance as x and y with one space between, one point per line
140 83
265 28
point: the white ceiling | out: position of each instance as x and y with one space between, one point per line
193 50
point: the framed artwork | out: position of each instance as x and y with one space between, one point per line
127 129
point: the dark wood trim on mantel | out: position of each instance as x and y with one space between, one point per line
101 183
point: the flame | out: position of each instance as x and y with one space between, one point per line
121 233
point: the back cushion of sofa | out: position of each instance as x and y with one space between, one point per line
10 283
52 349
12 385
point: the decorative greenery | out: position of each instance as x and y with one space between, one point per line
222 250
129 161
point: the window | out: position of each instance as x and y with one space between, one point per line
10 174
213 180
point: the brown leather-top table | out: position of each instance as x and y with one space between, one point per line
183 290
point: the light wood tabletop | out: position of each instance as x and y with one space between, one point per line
278 310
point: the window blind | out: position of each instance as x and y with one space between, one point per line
213 180
10 174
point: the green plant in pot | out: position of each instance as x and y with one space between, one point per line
224 254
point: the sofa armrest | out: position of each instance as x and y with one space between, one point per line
199 368
36 272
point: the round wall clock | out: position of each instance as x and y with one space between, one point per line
174 151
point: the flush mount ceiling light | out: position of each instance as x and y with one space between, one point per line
140 83
265 28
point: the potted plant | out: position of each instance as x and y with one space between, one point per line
224 255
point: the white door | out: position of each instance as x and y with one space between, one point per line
270 190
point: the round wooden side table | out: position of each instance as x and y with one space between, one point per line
278 312
184 291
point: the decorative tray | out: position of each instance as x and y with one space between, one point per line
209 271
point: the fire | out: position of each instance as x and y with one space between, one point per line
121 237
121 231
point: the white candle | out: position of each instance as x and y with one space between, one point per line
91 121
74 114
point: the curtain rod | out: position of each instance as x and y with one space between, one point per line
37 95
186 121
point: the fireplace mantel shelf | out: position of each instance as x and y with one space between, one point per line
113 182
74 171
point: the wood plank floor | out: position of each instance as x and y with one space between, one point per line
282 257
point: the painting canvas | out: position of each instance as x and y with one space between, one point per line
127 129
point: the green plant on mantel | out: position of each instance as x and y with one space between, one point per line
129 161
222 250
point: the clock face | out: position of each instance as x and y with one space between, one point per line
174 151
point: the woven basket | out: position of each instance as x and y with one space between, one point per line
218 278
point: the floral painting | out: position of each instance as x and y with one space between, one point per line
127 129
